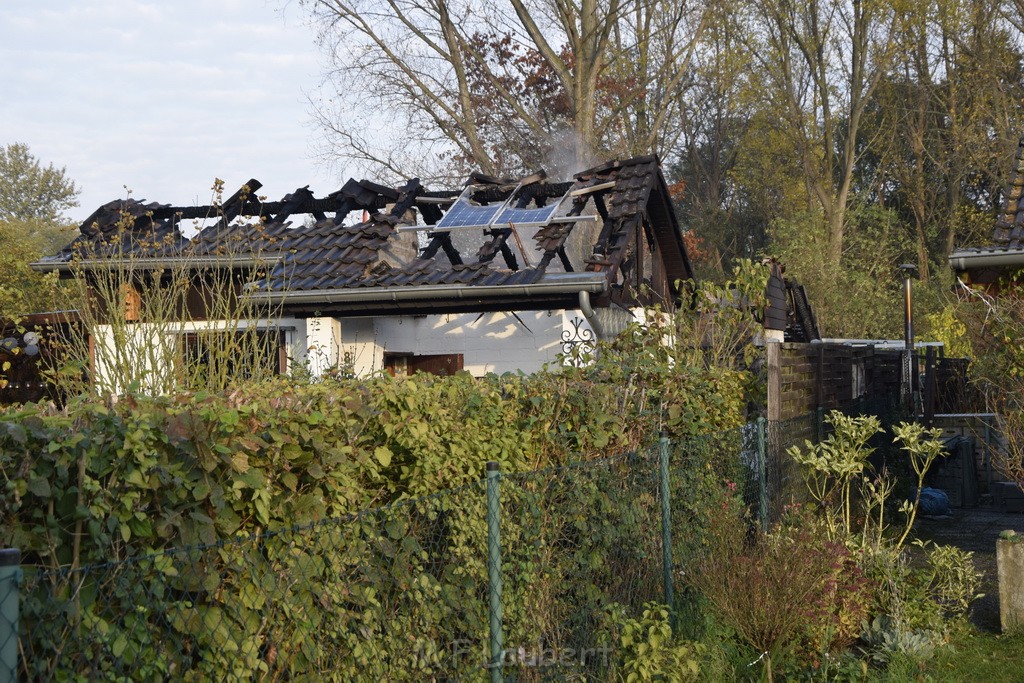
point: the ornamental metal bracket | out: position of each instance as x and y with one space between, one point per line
578 343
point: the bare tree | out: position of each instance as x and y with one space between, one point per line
818 63
503 86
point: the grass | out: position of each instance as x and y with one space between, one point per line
971 656
976 656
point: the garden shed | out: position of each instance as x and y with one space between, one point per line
497 275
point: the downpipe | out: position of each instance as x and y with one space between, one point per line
590 314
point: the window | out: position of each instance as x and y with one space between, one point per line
233 355
409 364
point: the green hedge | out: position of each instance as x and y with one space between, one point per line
275 569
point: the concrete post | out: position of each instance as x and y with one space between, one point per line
1010 564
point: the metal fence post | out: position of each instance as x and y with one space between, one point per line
762 472
497 648
821 423
988 455
10 580
666 521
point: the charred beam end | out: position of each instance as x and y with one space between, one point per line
494 246
332 202
478 178
344 207
442 241
301 197
406 198
234 205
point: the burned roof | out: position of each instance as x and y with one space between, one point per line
615 236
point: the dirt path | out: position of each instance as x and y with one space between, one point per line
976 530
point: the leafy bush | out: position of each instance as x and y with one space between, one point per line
769 589
172 483
923 597
646 648
265 527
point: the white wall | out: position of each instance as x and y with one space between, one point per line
152 348
491 342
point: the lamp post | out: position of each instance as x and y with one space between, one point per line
907 383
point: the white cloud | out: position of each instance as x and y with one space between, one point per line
162 97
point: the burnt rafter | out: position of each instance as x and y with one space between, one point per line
442 241
499 236
235 204
359 195
293 202
405 198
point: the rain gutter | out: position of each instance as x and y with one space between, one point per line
583 286
965 260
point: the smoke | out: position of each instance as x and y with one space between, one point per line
569 154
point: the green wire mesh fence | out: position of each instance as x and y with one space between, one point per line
576 540
517 576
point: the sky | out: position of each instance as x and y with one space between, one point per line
163 96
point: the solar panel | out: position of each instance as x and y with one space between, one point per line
526 218
462 214
465 214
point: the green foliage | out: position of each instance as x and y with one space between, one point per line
922 447
692 367
945 325
23 290
33 199
31 192
919 604
832 467
647 649
252 488
861 297
996 327
952 579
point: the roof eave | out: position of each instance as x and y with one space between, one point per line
406 293
130 263
967 260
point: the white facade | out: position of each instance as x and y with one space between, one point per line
145 353
488 342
